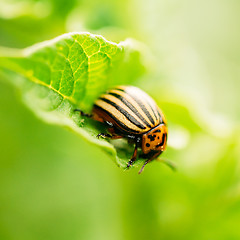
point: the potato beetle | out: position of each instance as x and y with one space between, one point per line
131 113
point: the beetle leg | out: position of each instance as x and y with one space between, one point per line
106 135
83 113
133 158
143 166
114 134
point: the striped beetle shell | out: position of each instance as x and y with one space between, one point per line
131 113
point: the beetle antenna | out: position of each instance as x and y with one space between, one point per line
168 163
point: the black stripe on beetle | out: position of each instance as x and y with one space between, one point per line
140 103
142 106
130 106
153 110
115 119
125 113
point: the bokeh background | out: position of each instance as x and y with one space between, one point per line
54 185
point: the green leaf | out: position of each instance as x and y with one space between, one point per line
69 72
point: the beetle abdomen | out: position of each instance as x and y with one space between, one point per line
131 109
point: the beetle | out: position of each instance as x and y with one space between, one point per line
131 113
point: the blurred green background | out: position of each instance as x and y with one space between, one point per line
65 188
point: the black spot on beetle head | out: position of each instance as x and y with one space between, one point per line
152 137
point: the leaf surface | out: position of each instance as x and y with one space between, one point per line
69 72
